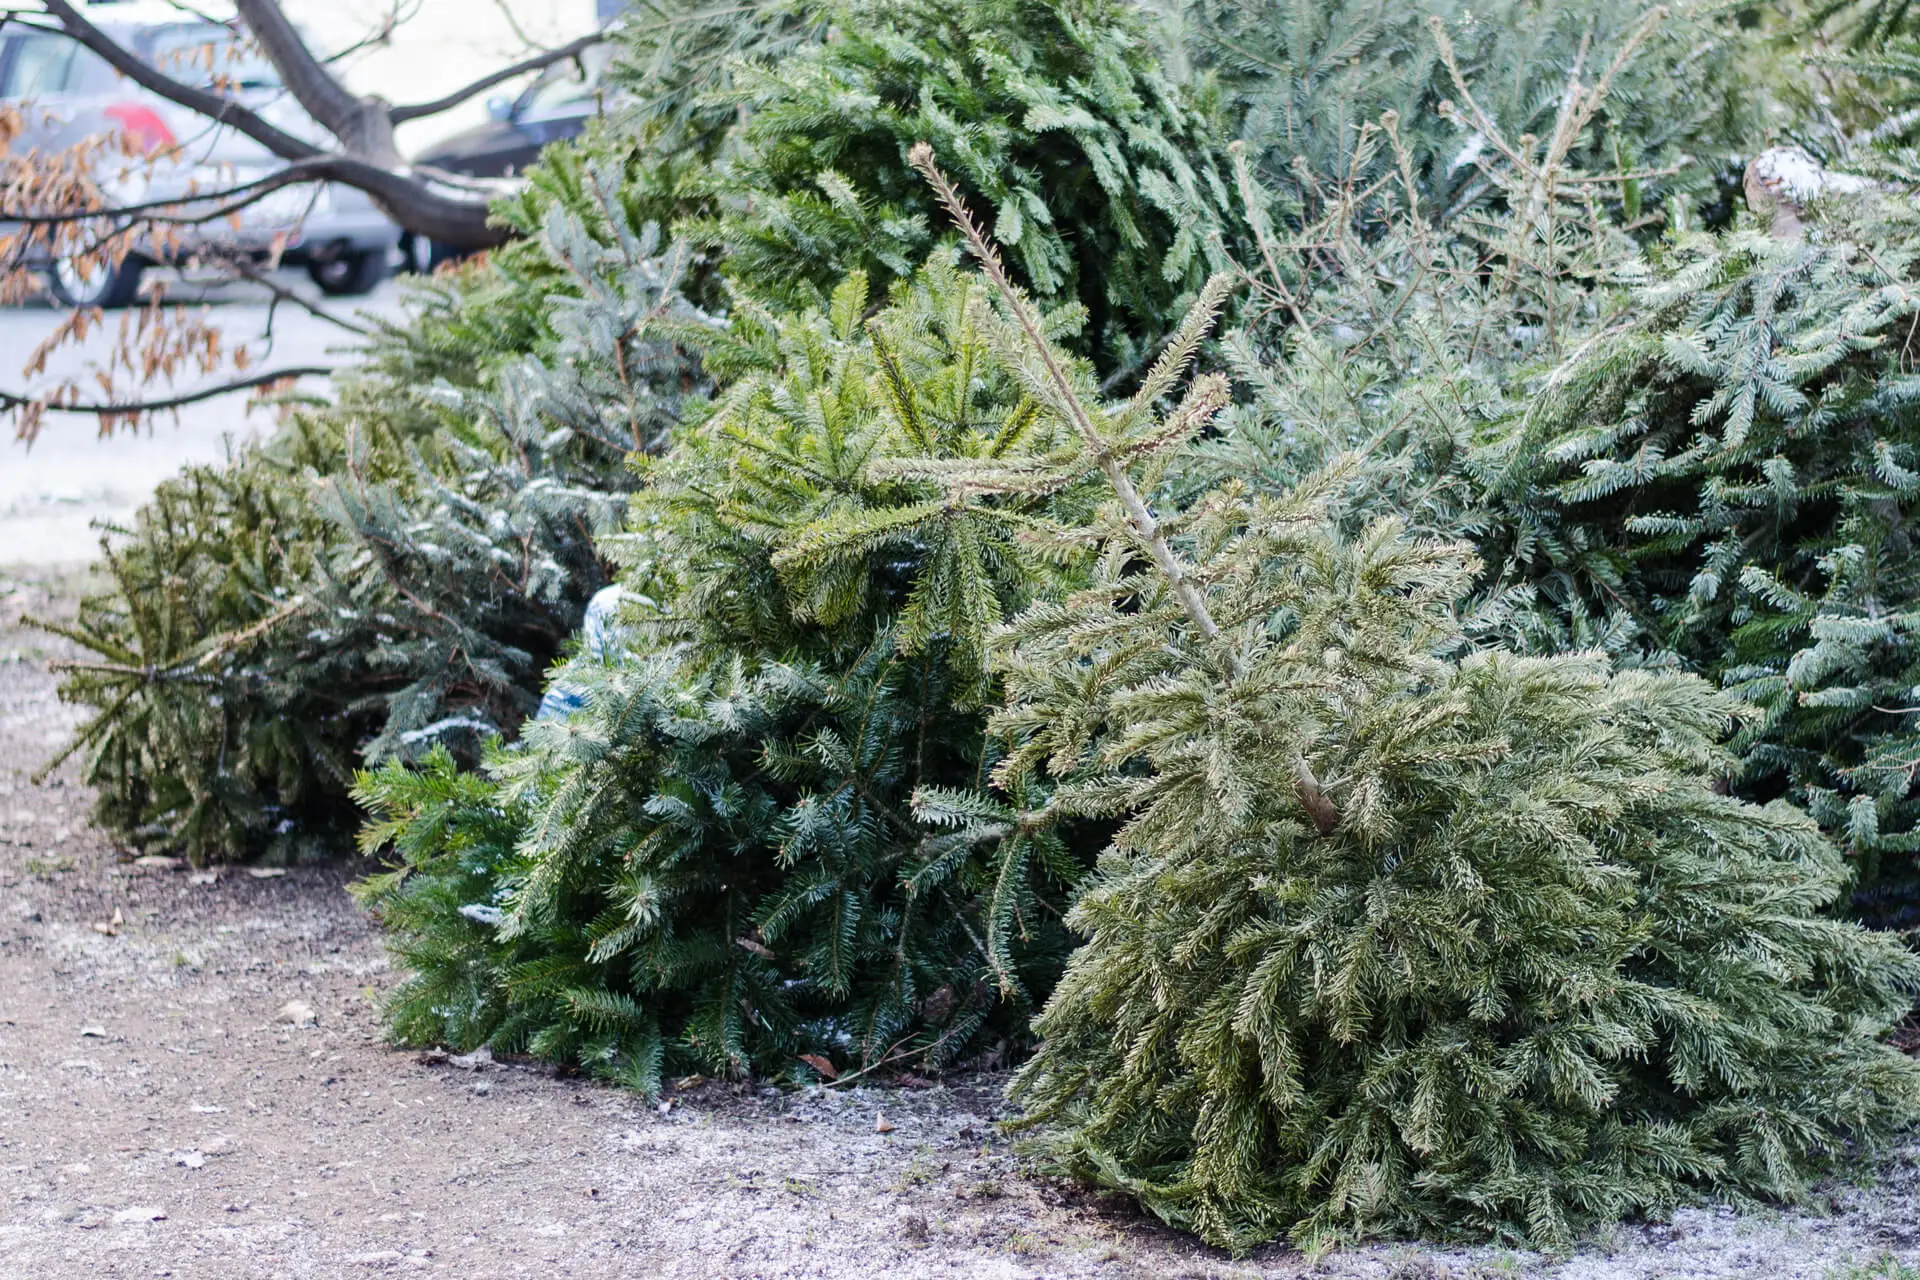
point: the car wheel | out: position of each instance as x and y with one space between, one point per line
105 286
349 274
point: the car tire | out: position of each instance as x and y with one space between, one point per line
107 287
349 275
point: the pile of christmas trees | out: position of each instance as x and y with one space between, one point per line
1359 623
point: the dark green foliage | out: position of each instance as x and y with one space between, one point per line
1308 80
783 152
673 67
1391 943
393 569
1104 179
703 870
762 836
676 62
1740 461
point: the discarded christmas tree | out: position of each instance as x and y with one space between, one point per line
391 571
1388 942
761 844
1732 470
1106 179
1304 85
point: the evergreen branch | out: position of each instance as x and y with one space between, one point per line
1146 528
1179 580
99 724
899 390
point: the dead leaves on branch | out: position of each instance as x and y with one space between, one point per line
60 209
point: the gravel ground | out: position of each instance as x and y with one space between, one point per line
193 1084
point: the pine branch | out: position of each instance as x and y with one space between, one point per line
1325 815
1152 540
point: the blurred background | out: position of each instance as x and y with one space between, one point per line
52 493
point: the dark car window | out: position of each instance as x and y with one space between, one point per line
36 64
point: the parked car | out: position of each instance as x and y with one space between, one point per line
556 105
70 93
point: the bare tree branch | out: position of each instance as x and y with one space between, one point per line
247 271
158 210
505 10
178 211
572 49
314 87
14 400
215 106
414 203
485 188
379 36
449 218
63 214
369 160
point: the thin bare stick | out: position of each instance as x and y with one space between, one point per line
540 61
281 293
15 400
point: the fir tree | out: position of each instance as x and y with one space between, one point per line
1105 179
1740 459
455 583
1692 454
1308 82
1387 942
761 844
1387 342
390 570
191 746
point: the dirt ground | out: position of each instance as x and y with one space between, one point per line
193 1084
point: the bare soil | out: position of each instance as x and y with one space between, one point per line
193 1083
